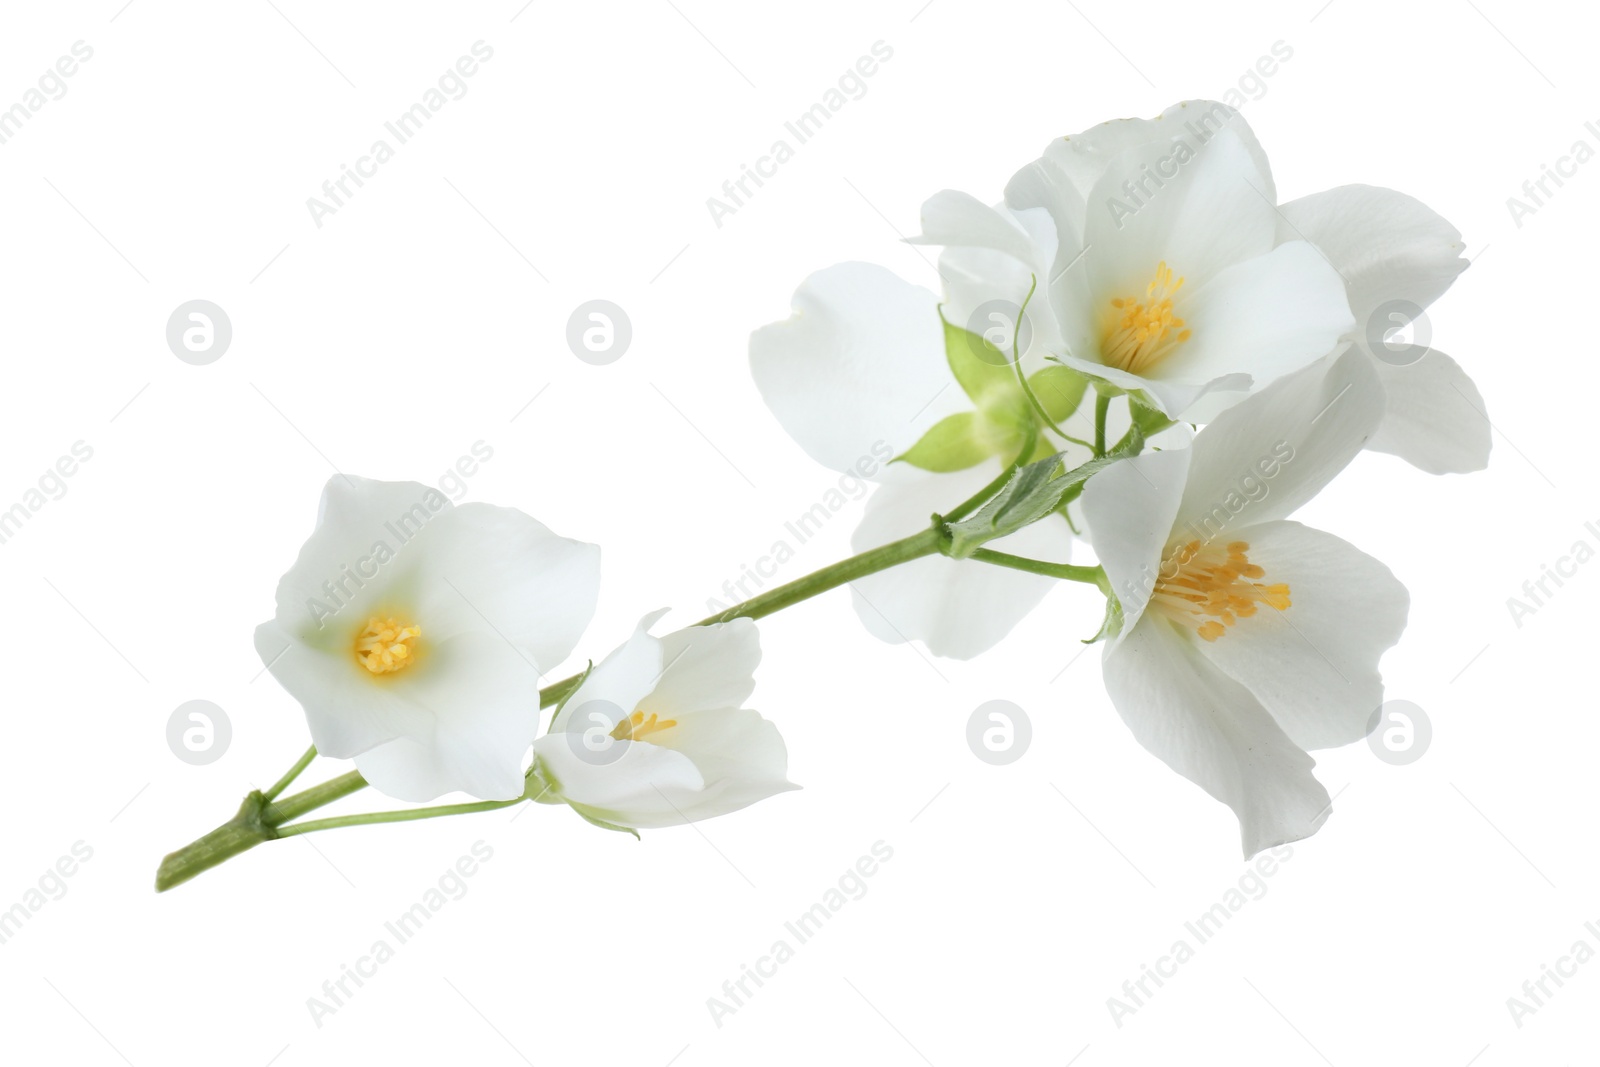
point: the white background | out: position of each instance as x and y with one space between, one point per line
429 313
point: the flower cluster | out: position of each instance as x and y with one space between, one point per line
1138 351
422 661
1150 262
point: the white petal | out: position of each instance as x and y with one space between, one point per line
957 608
1314 665
740 756
958 219
1435 417
486 568
1129 508
346 712
1171 396
633 785
336 570
617 684
706 667
1061 320
1264 457
484 697
859 371
1218 398
978 274
1389 246
1084 157
1211 214
1211 730
1264 317
976 277
1043 185
704 759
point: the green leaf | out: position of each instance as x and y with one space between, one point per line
1033 492
1059 390
984 374
1150 421
605 825
539 787
955 443
576 685
1029 495
1112 621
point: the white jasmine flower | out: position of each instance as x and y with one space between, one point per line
1247 639
1164 272
414 633
1131 219
655 734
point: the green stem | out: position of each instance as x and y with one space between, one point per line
262 817
293 773
292 807
1102 404
927 543
257 820
406 815
1094 576
968 506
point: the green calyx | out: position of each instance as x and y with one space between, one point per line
1010 415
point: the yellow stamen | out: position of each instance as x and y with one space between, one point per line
1137 334
636 727
386 645
1206 588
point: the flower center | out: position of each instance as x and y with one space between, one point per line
386 645
1208 589
636 727
1137 333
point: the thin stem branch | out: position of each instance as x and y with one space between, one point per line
926 543
293 773
263 817
1102 404
1022 379
256 821
292 807
1066 571
406 815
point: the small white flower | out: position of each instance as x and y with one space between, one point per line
1246 639
655 735
414 633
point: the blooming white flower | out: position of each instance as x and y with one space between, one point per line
1246 639
414 633
1157 251
1172 270
655 734
864 372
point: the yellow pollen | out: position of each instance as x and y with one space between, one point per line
386 645
1137 334
1208 588
636 727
